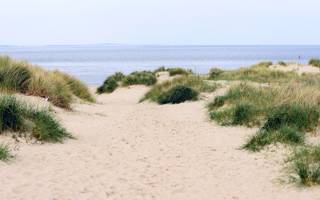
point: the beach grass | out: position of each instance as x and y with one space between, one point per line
197 83
305 165
257 73
17 116
25 78
147 78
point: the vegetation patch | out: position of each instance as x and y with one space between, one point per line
314 62
4 152
140 78
59 88
18 117
305 165
257 73
196 83
178 71
178 94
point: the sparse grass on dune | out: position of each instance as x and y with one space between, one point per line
257 73
139 78
19 117
314 62
4 152
78 88
284 112
305 165
197 83
59 88
119 79
178 71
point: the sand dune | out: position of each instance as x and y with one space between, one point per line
126 150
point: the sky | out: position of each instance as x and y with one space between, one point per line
163 22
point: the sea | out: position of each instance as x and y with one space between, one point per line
93 63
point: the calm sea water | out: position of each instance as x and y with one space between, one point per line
92 63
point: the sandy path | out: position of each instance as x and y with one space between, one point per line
132 151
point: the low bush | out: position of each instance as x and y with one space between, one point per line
140 78
178 71
178 94
4 152
11 114
215 73
109 85
197 83
314 62
282 63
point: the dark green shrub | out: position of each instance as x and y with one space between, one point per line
11 114
140 78
118 76
314 62
178 94
46 128
109 85
282 63
215 72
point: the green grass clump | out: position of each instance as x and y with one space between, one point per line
257 73
197 83
46 128
215 73
314 62
11 114
140 78
282 63
178 94
178 71
302 117
108 86
111 83
285 135
17 116
22 77
242 105
4 152
160 69
305 165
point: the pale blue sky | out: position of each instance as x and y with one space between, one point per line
204 22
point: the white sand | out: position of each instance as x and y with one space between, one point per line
127 150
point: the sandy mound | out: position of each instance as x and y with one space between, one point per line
126 150
300 69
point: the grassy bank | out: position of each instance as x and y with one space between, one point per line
16 116
58 87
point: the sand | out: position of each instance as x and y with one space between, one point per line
126 150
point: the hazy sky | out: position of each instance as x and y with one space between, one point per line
215 22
